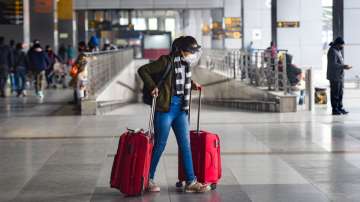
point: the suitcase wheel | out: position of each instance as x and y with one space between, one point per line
213 186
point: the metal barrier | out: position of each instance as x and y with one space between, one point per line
103 67
258 68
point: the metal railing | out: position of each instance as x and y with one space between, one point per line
257 69
103 67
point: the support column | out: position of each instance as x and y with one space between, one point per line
43 21
338 18
351 33
82 25
65 22
274 21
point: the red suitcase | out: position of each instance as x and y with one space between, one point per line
130 170
205 148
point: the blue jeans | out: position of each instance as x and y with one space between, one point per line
178 120
13 82
20 78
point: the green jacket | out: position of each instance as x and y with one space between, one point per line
147 71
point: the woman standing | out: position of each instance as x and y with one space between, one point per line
173 102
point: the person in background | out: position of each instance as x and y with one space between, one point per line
13 83
295 78
6 62
70 55
271 52
107 45
79 64
335 75
250 51
81 83
62 53
250 48
49 72
93 44
20 66
38 63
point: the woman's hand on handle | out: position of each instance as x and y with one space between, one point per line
197 86
155 92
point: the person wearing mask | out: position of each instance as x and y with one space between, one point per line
38 62
172 106
20 66
49 72
6 62
335 75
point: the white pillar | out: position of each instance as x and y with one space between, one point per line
352 37
257 23
304 42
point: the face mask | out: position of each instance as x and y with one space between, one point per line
193 59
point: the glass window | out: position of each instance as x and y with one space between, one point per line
124 21
153 24
139 23
170 26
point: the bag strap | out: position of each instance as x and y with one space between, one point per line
166 73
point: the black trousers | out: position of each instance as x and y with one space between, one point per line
336 94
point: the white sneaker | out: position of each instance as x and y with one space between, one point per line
40 94
153 187
197 187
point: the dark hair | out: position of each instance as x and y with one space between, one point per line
175 47
338 41
82 46
19 46
2 39
37 45
47 47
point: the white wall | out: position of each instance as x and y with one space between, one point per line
303 43
257 16
352 37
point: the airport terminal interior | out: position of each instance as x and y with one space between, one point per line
276 81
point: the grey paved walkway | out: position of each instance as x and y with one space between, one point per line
47 154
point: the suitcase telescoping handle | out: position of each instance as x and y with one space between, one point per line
151 119
198 112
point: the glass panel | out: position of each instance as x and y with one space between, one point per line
156 41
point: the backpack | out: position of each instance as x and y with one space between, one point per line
159 79
74 70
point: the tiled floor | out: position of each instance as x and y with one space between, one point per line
49 154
